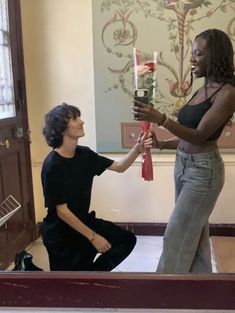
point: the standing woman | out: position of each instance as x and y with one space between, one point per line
199 169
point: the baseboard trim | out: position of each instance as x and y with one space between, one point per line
158 229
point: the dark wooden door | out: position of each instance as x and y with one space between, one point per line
15 162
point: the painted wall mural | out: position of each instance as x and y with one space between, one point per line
167 27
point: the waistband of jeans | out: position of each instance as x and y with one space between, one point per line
215 153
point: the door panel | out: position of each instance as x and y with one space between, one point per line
15 161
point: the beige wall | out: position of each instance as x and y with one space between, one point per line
54 33
58 53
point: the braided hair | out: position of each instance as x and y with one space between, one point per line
220 56
220 52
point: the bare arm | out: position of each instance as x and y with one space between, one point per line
123 164
99 242
168 144
221 110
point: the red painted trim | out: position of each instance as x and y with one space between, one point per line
117 290
158 229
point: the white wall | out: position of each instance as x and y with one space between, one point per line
57 36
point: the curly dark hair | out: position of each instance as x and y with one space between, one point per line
220 55
56 121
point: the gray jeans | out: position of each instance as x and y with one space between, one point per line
199 179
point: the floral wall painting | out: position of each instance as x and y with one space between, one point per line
167 27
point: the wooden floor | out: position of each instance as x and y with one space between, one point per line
223 249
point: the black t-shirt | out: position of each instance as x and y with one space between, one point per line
69 180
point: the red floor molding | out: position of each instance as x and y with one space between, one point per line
158 229
117 290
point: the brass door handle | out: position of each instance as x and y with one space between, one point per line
5 144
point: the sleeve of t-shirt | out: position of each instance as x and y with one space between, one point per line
54 186
99 163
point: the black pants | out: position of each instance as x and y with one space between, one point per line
78 254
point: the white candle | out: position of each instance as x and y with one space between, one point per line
135 68
154 73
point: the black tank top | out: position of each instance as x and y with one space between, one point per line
191 115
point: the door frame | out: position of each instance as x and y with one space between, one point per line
16 39
17 234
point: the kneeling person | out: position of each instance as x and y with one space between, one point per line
72 235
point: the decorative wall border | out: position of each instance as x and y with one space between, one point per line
130 133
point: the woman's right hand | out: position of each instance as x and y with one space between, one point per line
100 243
144 112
